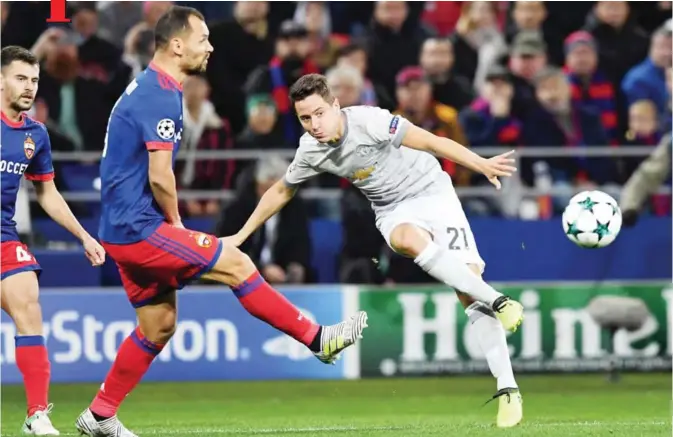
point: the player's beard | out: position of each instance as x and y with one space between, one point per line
18 106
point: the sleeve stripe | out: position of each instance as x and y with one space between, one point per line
40 177
158 145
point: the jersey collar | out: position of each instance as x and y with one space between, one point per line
12 123
165 75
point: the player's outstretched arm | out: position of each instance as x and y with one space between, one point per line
420 139
162 184
271 202
53 204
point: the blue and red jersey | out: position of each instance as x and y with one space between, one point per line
146 118
25 151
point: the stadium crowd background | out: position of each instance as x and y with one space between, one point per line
513 74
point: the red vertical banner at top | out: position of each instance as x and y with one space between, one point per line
57 14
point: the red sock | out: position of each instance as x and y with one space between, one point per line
268 305
133 359
33 363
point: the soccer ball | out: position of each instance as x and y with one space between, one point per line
592 219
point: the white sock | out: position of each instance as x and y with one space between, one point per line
448 268
491 337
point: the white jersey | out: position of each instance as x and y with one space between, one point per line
370 156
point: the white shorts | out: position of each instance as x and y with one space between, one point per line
442 216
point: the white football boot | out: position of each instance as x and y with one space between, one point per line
88 425
335 338
39 423
510 407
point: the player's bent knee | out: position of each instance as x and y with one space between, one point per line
20 300
159 320
232 267
409 240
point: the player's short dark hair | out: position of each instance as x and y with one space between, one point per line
173 21
308 85
16 53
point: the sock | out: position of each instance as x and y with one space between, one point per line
490 336
446 267
268 305
33 363
133 359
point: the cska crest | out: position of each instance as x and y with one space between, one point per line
29 147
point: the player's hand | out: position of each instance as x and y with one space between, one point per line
498 166
94 251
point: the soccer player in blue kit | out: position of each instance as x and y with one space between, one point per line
142 231
26 152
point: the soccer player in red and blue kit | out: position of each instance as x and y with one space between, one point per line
141 230
26 152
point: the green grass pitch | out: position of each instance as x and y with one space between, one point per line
558 406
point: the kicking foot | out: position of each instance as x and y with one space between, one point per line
509 312
335 338
39 423
88 425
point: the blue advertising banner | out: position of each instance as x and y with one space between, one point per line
216 338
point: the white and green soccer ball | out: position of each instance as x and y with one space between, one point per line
592 219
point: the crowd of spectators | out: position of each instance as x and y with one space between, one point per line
515 74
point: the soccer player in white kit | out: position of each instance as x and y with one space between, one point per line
417 210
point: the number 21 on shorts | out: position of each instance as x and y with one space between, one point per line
22 255
457 238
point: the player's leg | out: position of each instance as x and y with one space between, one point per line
19 298
411 240
156 312
235 269
490 335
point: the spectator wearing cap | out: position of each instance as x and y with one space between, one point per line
262 130
489 120
415 103
589 86
528 56
289 64
647 80
560 122
532 16
621 43
437 61
391 43
240 45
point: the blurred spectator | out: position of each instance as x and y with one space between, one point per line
22 22
117 19
589 86
281 247
478 42
138 49
362 241
203 130
651 15
324 46
414 96
77 85
489 120
391 45
528 56
621 43
561 123
645 181
667 118
240 45
437 62
647 80
355 55
262 131
289 64
532 16
442 16
644 126
346 84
